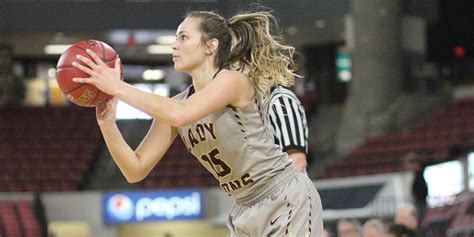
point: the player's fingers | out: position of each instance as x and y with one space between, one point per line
100 110
114 100
117 64
83 68
87 61
83 80
96 58
100 105
110 104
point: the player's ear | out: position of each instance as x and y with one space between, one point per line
212 45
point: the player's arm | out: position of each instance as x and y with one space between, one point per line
136 165
228 88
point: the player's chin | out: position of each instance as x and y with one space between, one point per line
176 67
179 68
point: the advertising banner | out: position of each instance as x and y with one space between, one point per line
144 206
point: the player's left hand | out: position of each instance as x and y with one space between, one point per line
102 76
106 112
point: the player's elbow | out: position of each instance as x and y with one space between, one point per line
174 118
181 123
135 175
133 181
180 120
134 178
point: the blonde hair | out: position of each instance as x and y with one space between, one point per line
269 61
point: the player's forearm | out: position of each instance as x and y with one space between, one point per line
122 153
162 108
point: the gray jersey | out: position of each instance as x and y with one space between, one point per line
236 146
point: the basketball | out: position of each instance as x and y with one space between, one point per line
83 94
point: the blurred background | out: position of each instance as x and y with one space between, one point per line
382 79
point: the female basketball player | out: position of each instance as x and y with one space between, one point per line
221 120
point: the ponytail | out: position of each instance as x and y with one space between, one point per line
254 48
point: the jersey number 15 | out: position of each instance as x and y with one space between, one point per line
218 165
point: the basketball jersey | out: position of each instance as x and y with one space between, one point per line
236 146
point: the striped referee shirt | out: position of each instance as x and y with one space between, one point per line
288 120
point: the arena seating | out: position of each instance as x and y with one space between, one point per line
46 149
28 220
432 138
9 222
17 219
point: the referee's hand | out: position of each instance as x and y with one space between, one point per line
299 160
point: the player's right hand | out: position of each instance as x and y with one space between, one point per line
101 75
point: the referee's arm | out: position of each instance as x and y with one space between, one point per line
288 120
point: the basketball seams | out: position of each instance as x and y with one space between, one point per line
77 46
74 46
104 58
65 67
80 47
105 55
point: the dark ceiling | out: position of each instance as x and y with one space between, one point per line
28 25
106 14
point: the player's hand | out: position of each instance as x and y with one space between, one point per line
106 112
102 76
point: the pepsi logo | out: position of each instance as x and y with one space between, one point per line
121 207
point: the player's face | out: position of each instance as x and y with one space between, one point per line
188 50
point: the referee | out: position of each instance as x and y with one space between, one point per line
290 129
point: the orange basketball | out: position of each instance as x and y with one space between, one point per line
83 94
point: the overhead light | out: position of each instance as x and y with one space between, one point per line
153 75
166 39
159 49
52 72
320 24
56 48
162 89
292 30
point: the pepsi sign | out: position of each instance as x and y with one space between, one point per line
132 207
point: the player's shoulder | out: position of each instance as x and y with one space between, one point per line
232 74
235 79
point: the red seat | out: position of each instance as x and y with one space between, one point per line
431 137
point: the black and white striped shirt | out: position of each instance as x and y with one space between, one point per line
288 120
